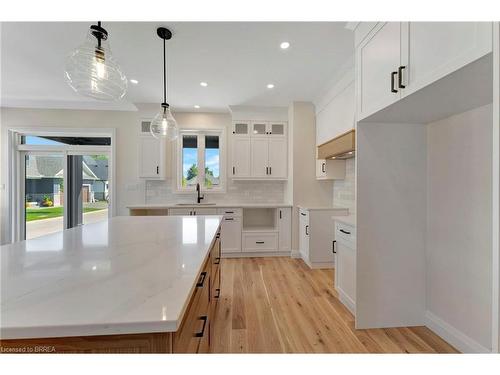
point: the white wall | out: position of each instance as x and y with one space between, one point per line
305 189
391 225
459 229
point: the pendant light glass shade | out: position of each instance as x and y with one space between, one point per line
164 124
92 71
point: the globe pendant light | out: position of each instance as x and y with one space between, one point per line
163 124
92 71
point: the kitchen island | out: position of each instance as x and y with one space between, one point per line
127 284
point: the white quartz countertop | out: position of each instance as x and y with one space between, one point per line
123 275
216 205
338 210
349 219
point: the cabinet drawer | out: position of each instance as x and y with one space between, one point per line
260 242
195 325
346 234
229 212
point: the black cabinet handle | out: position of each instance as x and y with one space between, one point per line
280 214
259 242
229 219
400 77
217 260
323 167
333 247
157 169
201 280
234 169
344 231
217 235
229 212
218 293
270 170
303 214
307 232
392 82
204 318
267 170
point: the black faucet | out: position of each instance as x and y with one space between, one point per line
199 197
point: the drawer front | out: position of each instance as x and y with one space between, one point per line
195 325
230 212
346 234
256 242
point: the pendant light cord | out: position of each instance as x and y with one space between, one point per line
164 73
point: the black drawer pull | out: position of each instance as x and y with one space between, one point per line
218 293
259 242
333 247
200 334
217 260
229 212
344 231
217 235
201 280
307 231
229 219
303 214
392 82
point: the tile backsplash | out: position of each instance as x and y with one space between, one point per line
344 191
161 192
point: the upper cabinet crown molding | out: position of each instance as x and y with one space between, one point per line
396 59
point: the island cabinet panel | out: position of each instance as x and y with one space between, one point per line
129 343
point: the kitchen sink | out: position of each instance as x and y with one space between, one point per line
195 204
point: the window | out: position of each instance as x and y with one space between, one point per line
200 159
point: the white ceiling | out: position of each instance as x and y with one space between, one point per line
237 60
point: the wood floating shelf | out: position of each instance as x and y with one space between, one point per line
340 145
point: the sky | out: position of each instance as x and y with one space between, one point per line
32 140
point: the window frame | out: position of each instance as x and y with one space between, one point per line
201 160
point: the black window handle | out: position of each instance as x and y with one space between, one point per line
392 82
307 232
333 247
400 77
259 242
201 280
218 293
344 231
204 318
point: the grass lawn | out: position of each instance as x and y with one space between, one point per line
50 212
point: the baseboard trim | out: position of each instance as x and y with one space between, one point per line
257 254
457 338
347 301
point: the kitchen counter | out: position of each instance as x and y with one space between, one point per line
216 205
339 210
119 276
349 219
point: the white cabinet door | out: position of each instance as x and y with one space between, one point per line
260 148
231 235
277 158
204 211
151 153
431 50
241 157
345 269
285 228
276 129
180 211
377 60
320 168
304 234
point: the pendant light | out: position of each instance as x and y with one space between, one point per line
163 124
92 71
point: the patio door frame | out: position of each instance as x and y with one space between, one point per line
18 152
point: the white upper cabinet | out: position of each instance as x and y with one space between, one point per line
431 50
260 157
152 158
277 158
260 153
397 59
377 62
241 157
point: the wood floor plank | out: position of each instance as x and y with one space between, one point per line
274 305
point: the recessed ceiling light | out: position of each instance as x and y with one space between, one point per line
284 45
204 84
197 106
270 86
134 81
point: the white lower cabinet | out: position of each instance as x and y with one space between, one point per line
345 264
304 233
285 228
231 234
191 211
260 241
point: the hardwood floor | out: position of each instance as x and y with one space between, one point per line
279 305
